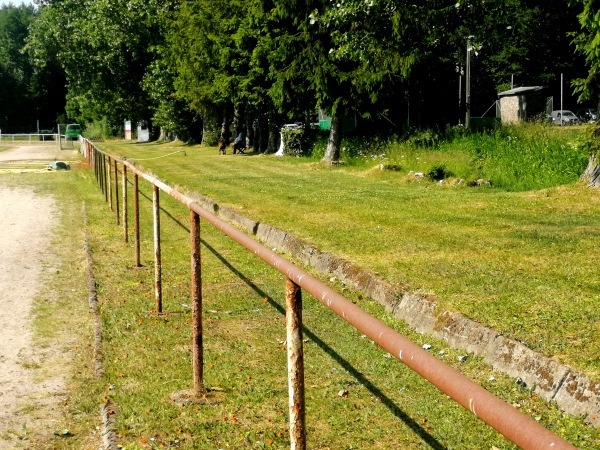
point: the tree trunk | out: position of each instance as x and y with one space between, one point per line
226 129
274 136
263 134
250 132
335 137
591 176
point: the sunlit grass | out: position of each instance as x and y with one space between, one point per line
516 261
147 356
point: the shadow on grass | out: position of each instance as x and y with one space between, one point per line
385 400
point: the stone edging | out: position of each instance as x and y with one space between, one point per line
109 435
573 392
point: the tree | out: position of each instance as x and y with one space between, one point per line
27 94
111 52
587 43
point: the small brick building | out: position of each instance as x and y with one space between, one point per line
521 103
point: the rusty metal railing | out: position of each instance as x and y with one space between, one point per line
504 418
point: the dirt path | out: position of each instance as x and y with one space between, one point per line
26 222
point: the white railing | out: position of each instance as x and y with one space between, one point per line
28 137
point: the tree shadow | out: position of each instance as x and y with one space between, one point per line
346 365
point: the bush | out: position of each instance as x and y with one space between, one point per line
210 138
292 141
424 138
97 130
438 172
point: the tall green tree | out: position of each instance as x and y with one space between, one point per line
112 53
587 42
347 54
27 95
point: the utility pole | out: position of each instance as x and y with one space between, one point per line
468 85
561 99
460 74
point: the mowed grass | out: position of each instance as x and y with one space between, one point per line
147 356
520 262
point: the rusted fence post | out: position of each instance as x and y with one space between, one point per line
136 219
104 178
99 171
101 164
96 171
125 224
157 256
109 184
117 192
197 349
295 355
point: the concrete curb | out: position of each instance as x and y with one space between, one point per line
573 392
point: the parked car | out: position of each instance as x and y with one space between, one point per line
73 131
564 117
588 114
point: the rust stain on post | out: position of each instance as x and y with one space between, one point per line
197 348
125 224
295 355
136 219
157 256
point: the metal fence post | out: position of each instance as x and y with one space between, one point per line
157 258
136 219
96 171
102 163
198 350
99 170
104 178
109 189
125 224
295 355
117 192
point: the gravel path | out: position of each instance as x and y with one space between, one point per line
26 222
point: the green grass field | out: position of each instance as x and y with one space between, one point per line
519 261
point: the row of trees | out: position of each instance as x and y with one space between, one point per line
191 67
28 93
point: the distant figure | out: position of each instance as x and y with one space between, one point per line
239 144
222 147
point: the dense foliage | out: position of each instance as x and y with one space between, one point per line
29 95
207 68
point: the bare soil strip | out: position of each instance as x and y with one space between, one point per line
28 401
26 222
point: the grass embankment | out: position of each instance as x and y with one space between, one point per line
520 262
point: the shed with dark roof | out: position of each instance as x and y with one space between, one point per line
521 103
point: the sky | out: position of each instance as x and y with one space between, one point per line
15 2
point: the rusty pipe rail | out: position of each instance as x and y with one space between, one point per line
507 420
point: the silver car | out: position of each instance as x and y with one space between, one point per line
564 117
